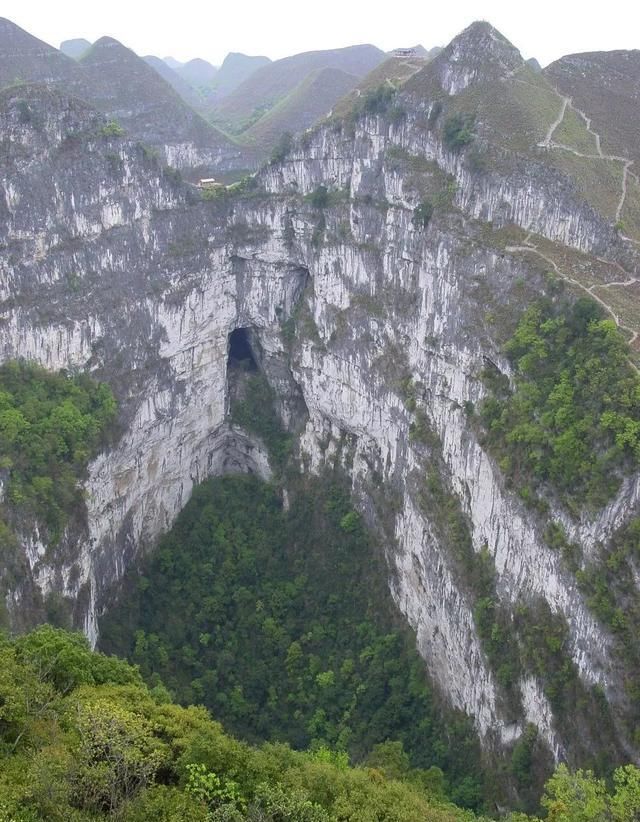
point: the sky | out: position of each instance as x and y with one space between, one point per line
545 29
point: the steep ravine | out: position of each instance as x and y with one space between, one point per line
353 307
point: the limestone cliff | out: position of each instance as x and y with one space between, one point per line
365 321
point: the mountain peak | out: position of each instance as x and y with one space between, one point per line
75 48
480 53
107 42
25 58
108 50
198 72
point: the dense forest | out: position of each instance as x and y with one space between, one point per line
572 422
50 425
82 738
280 622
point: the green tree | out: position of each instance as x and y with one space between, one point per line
575 797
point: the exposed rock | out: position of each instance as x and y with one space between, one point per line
161 281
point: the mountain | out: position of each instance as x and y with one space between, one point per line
75 48
391 73
197 72
312 99
271 83
189 94
172 63
606 85
428 308
121 85
127 89
24 58
480 54
235 69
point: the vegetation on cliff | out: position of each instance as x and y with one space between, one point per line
50 426
572 418
82 738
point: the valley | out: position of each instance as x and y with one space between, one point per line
346 448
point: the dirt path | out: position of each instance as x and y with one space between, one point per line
530 248
599 155
547 140
625 172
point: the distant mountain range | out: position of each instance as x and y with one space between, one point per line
271 84
198 115
121 85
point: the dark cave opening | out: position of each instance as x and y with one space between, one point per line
240 351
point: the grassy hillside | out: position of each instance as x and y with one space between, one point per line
394 71
235 69
273 82
606 86
312 99
191 96
123 86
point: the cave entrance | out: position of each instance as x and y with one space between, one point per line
240 350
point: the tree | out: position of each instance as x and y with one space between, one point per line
118 754
575 797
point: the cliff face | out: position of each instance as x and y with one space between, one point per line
109 264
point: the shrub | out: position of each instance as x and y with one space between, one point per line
282 148
111 129
422 214
458 131
320 197
378 100
573 420
50 425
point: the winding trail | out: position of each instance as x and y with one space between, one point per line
549 143
546 143
587 123
625 172
529 247
608 285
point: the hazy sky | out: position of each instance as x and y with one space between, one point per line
545 29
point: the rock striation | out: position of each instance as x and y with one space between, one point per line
109 263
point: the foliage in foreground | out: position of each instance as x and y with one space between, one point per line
284 630
82 738
573 419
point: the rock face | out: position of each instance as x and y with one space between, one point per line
479 53
109 264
